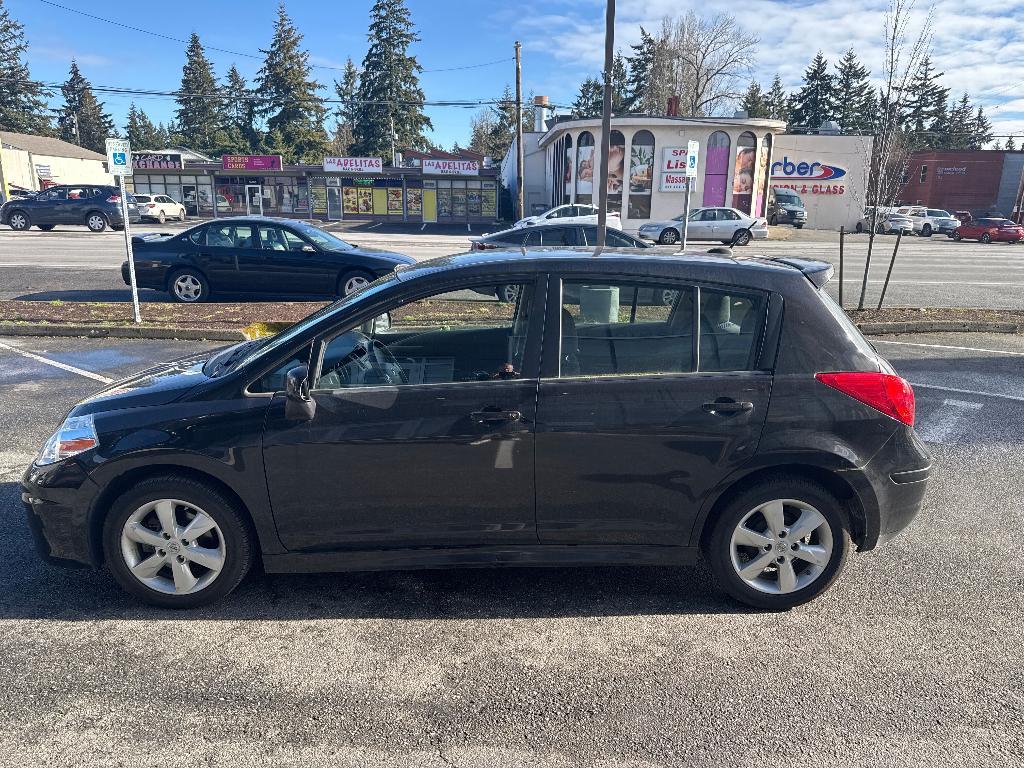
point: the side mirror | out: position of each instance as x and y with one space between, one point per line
298 405
382 322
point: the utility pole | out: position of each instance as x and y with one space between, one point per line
520 203
606 124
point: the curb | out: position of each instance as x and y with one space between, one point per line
939 326
121 332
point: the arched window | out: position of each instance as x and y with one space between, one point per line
568 161
641 175
585 168
716 168
616 170
761 180
743 172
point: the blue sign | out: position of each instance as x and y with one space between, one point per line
120 158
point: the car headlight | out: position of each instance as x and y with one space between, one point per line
76 435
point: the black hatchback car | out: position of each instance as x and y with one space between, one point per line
402 428
255 256
92 205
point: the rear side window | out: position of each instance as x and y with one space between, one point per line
852 331
730 329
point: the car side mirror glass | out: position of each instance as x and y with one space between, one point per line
298 405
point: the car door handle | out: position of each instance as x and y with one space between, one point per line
488 416
727 407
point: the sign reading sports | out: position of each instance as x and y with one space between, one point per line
251 162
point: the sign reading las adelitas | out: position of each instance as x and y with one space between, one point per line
355 164
451 167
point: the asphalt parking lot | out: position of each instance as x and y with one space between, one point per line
73 264
914 658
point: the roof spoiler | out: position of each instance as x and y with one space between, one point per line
818 272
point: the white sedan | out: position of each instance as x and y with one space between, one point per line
568 214
728 225
160 207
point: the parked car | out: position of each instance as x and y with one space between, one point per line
159 208
258 256
729 225
929 221
990 231
577 426
888 222
569 214
786 207
548 236
95 206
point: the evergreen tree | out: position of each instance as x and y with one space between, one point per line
199 113
958 127
814 103
982 130
345 115
856 108
1011 145
640 90
754 102
493 130
590 99
140 131
777 101
389 89
82 110
163 132
241 136
620 84
22 101
926 108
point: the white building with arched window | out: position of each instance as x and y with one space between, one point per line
735 155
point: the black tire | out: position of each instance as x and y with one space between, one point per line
507 294
188 286
19 220
235 533
742 237
46 227
96 221
669 237
352 281
860 227
161 218
181 215
957 236
718 546
926 230
799 226
986 238
774 221
880 229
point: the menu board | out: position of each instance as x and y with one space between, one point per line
318 196
350 200
414 201
489 203
395 207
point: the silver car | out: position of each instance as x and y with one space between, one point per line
888 222
728 225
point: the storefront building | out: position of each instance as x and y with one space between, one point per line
445 189
644 180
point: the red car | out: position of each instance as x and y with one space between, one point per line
990 230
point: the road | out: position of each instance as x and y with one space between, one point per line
914 658
72 264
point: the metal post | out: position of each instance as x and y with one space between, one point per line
842 235
686 213
4 194
892 263
606 124
128 247
520 203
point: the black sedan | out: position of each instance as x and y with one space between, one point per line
257 256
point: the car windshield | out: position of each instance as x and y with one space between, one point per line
790 199
694 215
935 213
323 239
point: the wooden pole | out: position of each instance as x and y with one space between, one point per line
520 203
892 263
606 124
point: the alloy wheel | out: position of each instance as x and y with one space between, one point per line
742 237
96 223
781 546
18 221
669 237
161 218
187 287
173 547
355 283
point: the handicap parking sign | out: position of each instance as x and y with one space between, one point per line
119 157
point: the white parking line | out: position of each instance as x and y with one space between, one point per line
947 346
56 364
974 392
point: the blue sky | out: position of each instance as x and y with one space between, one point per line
978 43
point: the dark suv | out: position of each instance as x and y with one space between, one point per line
415 425
93 205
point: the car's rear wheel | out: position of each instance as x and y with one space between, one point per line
986 238
353 281
926 230
507 293
957 236
161 218
799 226
46 227
774 221
669 237
177 543
96 221
189 286
742 237
19 221
181 215
779 544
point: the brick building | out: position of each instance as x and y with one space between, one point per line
981 181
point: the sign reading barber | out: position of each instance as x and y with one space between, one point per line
354 164
451 167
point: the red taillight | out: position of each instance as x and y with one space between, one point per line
884 392
151 205
115 198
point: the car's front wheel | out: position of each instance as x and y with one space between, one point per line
161 218
742 237
860 227
669 237
926 230
779 544
189 286
96 221
19 221
353 281
986 238
181 215
177 543
957 236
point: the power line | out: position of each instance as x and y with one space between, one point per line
239 53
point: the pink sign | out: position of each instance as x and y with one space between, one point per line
251 162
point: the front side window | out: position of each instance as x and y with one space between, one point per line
446 338
55 194
278 239
624 328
